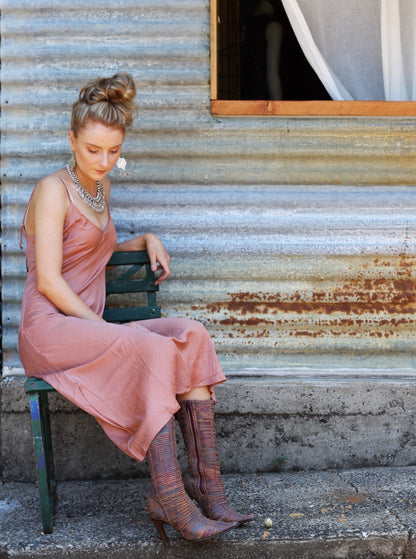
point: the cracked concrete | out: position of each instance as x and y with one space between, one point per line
346 514
397 498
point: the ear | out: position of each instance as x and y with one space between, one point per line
71 140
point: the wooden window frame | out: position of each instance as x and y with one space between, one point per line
220 107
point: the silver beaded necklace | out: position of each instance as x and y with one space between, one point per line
97 203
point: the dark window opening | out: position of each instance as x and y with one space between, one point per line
246 30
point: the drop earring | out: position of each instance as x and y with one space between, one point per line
72 161
121 163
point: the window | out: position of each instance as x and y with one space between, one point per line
233 92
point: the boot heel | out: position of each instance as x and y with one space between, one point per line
159 524
167 502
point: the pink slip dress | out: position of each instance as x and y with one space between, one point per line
126 375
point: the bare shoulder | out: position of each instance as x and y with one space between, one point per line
51 195
53 189
51 182
49 198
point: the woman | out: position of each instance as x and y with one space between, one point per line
134 377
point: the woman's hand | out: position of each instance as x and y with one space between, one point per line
159 258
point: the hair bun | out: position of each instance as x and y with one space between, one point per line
118 89
110 100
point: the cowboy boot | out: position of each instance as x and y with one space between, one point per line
202 478
167 502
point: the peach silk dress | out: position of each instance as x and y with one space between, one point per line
126 375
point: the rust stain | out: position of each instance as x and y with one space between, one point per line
252 321
379 306
355 499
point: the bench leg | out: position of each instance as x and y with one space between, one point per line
39 412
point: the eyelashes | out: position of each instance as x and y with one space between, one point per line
112 152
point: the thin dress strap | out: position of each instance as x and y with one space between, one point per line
67 188
23 225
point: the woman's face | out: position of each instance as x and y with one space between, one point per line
96 149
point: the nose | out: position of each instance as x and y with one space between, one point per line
104 159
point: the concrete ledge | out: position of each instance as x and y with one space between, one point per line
290 422
354 514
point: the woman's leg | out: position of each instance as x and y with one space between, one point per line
196 415
202 478
167 501
200 393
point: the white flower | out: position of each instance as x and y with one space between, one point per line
121 163
268 522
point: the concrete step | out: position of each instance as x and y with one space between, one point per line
338 514
315 421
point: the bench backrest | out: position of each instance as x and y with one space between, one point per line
129 273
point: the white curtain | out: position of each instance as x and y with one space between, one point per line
360 49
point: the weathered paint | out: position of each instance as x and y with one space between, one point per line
283 275
359 312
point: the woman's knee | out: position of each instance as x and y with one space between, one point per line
199 329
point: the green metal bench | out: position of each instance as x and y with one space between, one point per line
129 273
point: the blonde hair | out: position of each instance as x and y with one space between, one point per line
109 101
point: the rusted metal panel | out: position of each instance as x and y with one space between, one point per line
283 275
358 313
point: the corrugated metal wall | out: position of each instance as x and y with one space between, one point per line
283 275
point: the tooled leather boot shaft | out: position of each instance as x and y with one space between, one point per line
202 478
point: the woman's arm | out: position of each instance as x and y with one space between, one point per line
159 258
48 210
